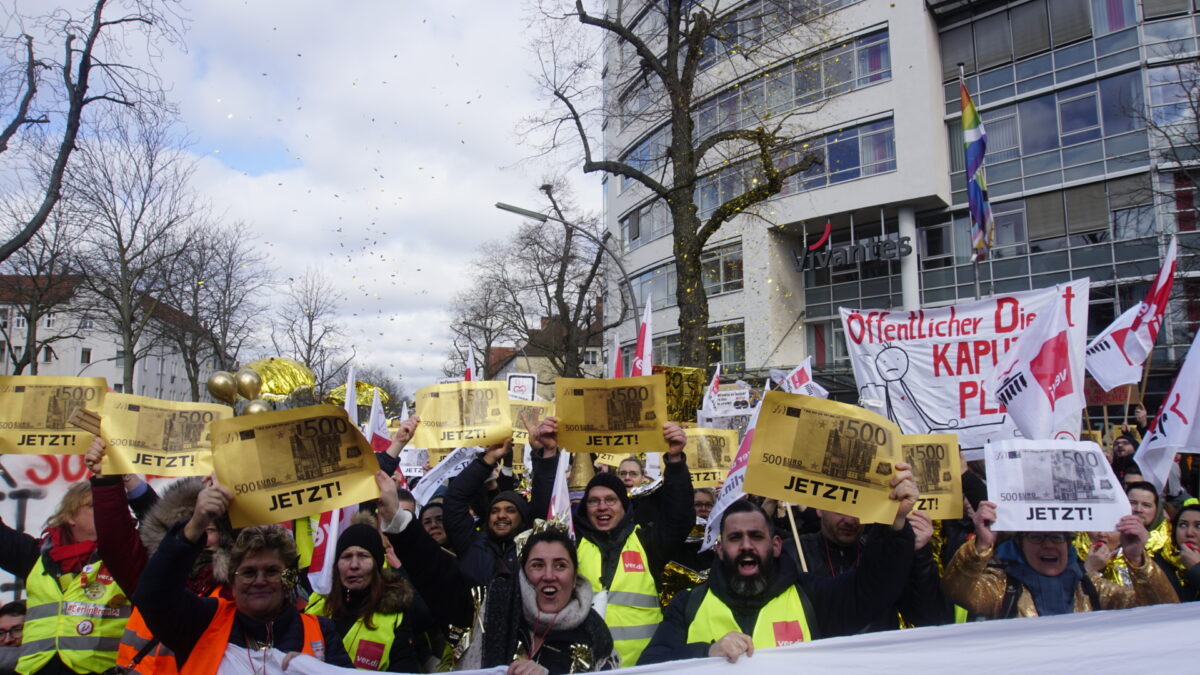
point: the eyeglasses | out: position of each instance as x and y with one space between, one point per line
1042 537
251 575
702 505
629 474
610 500
14 632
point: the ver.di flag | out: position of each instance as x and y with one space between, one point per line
1145 327
714 388
1174 428
643 359
800 381
377 428
1040 380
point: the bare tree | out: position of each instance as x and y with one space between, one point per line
42 288
392 386
478 320
304 328
130 186
655 87
97 64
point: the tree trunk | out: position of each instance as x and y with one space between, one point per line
689 290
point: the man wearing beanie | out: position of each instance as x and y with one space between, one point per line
622 559
484 553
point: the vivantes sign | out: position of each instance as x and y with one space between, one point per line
812 257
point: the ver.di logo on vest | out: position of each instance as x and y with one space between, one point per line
812 257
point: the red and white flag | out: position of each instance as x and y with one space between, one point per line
1040 379
377 428
470 373
800 381
643 359
351 402
1174 429
731 489
1116 356
1148 322
714 388
330 525
618 368
560 498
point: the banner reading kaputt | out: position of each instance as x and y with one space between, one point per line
929 370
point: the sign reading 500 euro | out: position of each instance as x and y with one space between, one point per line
165 438
937 469
710 454
620 415
824 454
527 414
34 410
462 413
292 464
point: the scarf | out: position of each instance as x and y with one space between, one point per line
69 558
1051 595
569 617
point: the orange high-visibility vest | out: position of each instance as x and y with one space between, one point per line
206 656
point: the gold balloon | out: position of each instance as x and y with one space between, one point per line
364 393
256 406
249 383
281 376
222 387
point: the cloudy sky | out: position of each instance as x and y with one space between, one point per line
371 141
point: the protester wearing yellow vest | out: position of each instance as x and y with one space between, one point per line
367 604
261 615
76 611
621 559
757 598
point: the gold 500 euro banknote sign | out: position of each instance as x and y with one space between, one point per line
937 468
619 416
826 455
462 414
710 454
292 464
34 410
164 438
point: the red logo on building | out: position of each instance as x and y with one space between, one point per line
632 560
787 633
1052 368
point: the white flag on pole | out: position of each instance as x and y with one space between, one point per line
710 394
560 499
1174 428
1040 380
643 357
470 373
1147 324
618 368
731 489
377 428
800 381
351 402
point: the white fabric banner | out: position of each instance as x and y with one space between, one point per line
1100 643
927 370
1175 429
446 469
1108 361
1053 486
1040 381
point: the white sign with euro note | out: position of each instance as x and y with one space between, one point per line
1052 486
448 468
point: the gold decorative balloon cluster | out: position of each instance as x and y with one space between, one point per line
225 386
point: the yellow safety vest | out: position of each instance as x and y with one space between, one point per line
79 617
368 649
633 609
780 622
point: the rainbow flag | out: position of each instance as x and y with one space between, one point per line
983 227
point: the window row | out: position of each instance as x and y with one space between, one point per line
22 351
720 269
49 320
846 67
726 346
760 21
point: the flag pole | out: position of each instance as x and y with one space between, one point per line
962 80
795 536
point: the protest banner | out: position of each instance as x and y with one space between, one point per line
710 454
685 391
527 414
937 468
618 415
927 370
165 438
462 411
34 410
443 471
799 380
1052 486
291 464
826 455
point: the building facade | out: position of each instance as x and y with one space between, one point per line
1077 96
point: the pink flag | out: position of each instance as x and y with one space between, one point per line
377 428
1144 329
618 368
1175 428
643 359
1040 379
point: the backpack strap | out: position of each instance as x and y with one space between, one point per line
1012 593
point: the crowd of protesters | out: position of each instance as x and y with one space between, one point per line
123 579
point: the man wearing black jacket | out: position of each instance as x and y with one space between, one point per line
756 598
484 553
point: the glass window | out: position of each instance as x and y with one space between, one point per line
1155 8
721 269
1110 16
85 355
1046 216
1079 118
1070 20
1121 102
1039 125
1170 101
1133 223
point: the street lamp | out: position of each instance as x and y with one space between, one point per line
602 242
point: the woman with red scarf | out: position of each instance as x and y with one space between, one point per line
76 611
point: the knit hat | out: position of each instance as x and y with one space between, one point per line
610 481
518 501
365 536
1131 439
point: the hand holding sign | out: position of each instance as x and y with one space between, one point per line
212 503
904 490
983 519
545 436
403 435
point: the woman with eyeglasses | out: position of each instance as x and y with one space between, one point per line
208 633
367 604
1040 574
